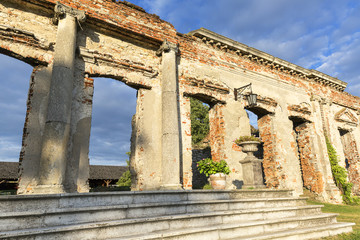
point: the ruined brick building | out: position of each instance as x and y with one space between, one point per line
72 41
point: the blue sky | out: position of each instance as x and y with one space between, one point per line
317 34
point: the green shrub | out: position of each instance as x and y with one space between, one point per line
125 179
208 167
340 175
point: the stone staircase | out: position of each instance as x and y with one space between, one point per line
240 214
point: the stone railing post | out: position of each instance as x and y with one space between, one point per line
57 127
170 118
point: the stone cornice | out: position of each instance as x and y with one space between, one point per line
263 58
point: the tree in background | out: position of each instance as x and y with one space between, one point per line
125 179
199 120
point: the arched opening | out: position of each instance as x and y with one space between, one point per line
14 81
114 104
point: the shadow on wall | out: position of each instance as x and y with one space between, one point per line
238 184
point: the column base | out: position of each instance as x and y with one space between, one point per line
49 189
171 187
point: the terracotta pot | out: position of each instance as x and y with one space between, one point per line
218 180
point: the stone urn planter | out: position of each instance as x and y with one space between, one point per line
249 147
218 181
251 165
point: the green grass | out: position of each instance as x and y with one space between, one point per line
7 192
348 213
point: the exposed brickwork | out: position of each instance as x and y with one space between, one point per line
187 169
312 176
25 130
272 168
217 133
353 158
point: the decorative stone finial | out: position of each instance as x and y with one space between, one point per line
167 47
62 10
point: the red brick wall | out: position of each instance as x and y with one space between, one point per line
312 177
217 132
352 155
271 167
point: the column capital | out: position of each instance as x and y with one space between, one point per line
167 46
61 11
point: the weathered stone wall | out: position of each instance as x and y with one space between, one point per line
123 42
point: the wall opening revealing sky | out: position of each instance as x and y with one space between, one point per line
114 104
14 81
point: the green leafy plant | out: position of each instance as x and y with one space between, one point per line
340 175
246 139
208 167
199 120
125 179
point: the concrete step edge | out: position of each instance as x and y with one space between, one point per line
82 226
292 232
139 193
125 206
180 232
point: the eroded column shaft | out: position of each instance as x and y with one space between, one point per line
57 126
170 119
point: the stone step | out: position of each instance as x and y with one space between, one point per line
22 203
238 214
213 233
37 219
316 232
180 225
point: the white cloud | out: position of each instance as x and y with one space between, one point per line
9 149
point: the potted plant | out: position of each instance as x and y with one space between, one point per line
216 170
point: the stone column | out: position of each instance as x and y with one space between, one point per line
57 127
170 118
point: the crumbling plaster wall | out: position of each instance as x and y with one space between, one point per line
286 90
120 40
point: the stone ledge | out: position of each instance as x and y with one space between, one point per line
253 54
